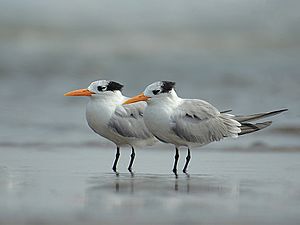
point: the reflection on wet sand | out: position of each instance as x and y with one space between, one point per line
202 197
163 197
147 183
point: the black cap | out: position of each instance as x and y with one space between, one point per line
114 86
167 86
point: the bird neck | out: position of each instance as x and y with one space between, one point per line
170 98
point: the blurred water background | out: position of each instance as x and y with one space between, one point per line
242 55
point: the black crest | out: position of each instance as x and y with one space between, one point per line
114 86
167 86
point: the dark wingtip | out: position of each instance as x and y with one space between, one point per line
114 86
247 128
276 112
266 124
226 111
167 86
282 110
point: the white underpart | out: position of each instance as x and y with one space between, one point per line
121 124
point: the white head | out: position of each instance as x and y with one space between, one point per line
98 88
159 89
155 91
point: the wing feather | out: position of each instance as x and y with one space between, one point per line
127 121
198 121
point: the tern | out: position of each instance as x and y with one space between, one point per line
191 122
121 124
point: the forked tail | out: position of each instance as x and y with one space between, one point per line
257 116
247 127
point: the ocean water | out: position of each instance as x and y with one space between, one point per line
240 55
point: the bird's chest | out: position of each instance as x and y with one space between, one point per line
98 116
158 121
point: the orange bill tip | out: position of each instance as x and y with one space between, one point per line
138 98
79 92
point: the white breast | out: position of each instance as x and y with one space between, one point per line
102 117
158 121
98 115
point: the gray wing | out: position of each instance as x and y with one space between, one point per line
127 121
198 121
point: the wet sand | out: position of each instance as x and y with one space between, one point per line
75 186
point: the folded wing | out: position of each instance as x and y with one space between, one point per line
198 121
127 121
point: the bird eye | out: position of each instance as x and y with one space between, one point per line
155 92
100 88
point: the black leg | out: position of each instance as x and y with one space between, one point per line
187 160
116 160
176 161
132 156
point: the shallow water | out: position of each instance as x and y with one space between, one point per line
67 186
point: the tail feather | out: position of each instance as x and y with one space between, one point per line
247 128
257 116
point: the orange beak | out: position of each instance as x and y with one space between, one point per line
80 92
138 98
